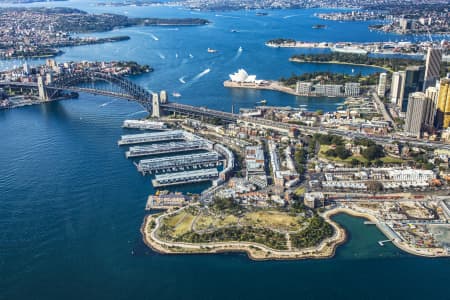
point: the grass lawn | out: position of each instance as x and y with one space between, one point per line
205 222
184 225
348 160
392 160
273 219
300 191
173 221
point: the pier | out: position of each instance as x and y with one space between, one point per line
151 137
165 148
178 163
185 177
381 243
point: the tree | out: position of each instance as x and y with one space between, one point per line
373 152
342 153
374 186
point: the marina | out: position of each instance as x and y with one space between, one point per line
185 177
177 163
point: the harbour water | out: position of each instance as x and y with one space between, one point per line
71 205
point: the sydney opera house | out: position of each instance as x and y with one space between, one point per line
242 76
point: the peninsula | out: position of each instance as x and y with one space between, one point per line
40 32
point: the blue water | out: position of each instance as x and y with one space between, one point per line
71 205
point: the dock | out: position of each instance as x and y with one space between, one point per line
151 137
185 177
178 163
166 148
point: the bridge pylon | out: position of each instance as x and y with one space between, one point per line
41 88
156 113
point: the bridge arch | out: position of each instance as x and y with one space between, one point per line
121 87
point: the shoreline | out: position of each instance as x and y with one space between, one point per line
271 86
399 244
296 60
259 252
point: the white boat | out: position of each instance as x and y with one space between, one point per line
175 94
210 50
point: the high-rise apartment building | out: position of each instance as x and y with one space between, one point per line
432 67
443 104
381 88
419 115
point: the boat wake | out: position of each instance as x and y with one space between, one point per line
161 56
224 16
290 16
107 103
136 113
238 54
191 56
201 74
154 37
181 79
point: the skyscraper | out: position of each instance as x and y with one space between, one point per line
432 67
443 105
381 89
397 86
413 82
419 115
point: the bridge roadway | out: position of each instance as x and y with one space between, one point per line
232 118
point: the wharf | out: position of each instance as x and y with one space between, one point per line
185 177
165 148
151 137
177 163
144 124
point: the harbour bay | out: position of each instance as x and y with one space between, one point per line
71 206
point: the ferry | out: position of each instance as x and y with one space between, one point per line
175 94
210 50
262 102
319 26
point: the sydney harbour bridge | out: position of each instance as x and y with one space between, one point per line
110 85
